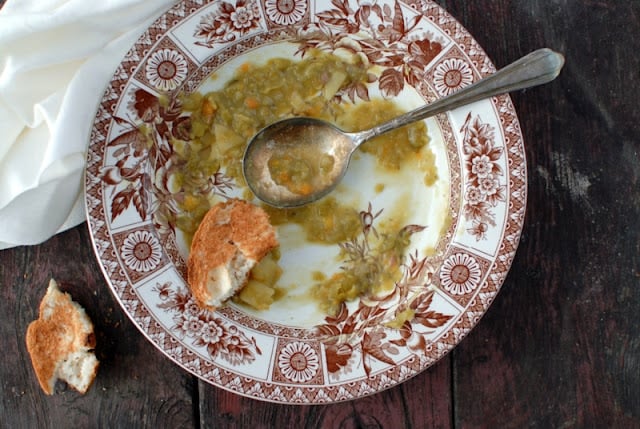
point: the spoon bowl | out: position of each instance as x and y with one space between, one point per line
302 140
297 161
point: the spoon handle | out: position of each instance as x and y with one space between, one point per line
538 67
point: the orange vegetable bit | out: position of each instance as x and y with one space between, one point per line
305 189
208 109
252 102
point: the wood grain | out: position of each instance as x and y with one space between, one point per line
562 334
136 385
558 348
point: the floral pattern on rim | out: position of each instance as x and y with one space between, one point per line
298 362
285 12
386 37
166 69
460 274
451 75
99 211
228 22
484 189
369 330
221 339
145 163
141 251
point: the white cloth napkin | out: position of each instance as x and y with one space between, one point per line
56 58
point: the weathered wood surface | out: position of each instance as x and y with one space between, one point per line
558 348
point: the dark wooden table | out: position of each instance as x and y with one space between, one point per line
560 346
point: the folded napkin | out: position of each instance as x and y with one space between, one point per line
56 58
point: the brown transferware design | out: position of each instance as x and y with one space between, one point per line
415 45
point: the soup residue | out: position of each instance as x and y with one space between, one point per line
222 123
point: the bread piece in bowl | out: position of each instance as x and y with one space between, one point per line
231 239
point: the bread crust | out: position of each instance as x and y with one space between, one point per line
232 237
63 329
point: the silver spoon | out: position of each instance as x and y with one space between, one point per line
303 144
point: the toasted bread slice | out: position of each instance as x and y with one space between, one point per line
61 343
232 237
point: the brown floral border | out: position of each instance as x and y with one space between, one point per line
103 244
